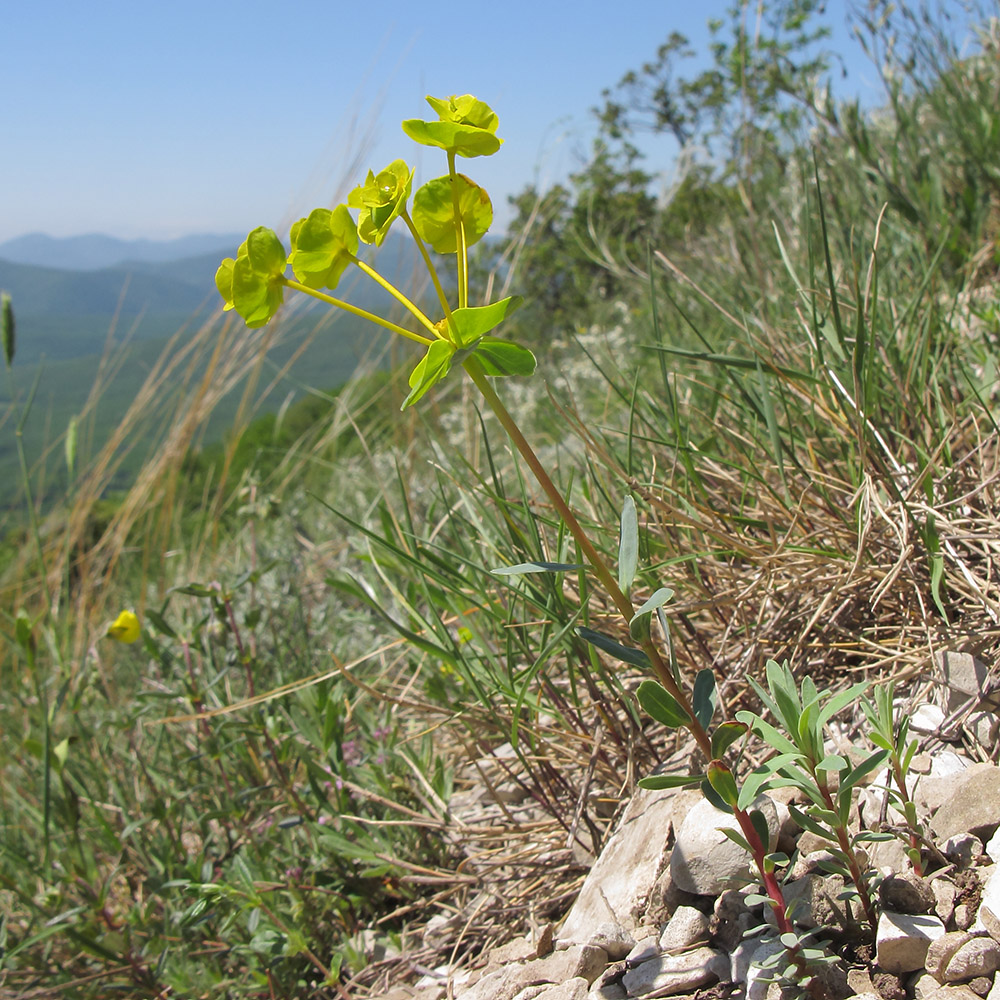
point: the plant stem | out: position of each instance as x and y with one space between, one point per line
607 578
399 297
461 245
362 313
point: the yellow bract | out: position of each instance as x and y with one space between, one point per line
125 628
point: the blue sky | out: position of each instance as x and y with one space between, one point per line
162 119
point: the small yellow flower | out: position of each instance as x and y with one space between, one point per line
125 628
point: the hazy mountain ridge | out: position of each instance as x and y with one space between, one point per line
96 251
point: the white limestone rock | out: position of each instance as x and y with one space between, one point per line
902 940
669 975
979 956
989 904
613 938
972 804
621 880
704 860
687 927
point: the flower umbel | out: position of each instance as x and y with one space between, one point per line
125 628
381 199
467 127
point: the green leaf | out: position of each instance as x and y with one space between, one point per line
463 140
70 445
722 780
865 767
771 736
781 684
160 623
806 821
638 626
434 212
659 704
429 370
323 244
655 782
504 357
7 328
737 838
761 828
465 110
472 322
23 632
628 545
840 701
535 567
725 736
714 797
761 775
703 696
627 654
832 762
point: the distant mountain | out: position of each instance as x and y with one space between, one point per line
65 313
59 291
95 251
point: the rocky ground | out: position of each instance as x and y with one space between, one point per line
664 911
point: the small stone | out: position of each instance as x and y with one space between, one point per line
982 726
963 917
687 927
622 878
672 974
613 938
860 980
978 956
905 892
981 985
938 783
644 950
664 897
923 985
757 980
903 939
889 986
816 903
953 992
964 676
889 856
941 951
944 899
962 850
926 719
607 991
731 919
572 989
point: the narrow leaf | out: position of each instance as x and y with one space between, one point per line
722 780
628 548
639 624
534 567
656 782
725 736
627 654
703 697
660 705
